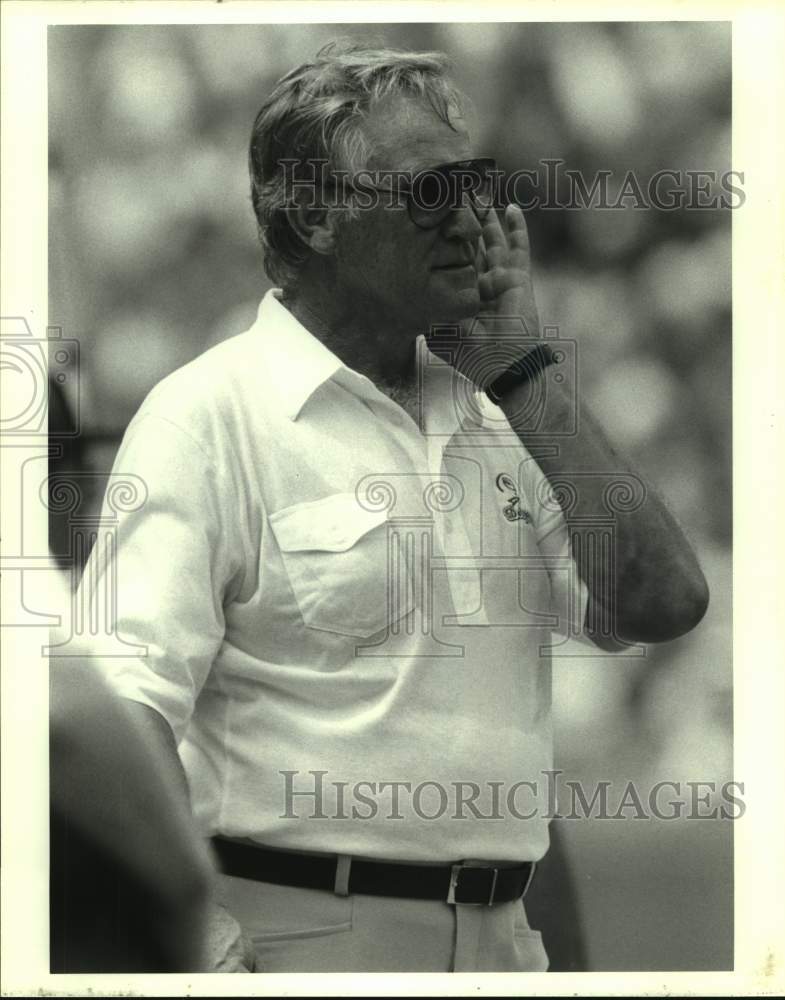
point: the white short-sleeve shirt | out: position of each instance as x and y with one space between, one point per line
346 617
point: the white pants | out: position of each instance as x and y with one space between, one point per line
259 927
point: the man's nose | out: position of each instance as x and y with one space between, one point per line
462 222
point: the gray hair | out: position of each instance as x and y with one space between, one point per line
315 113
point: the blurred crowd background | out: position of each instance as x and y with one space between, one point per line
153 258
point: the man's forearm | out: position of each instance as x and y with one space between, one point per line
651 587
180 867
160 741
117 779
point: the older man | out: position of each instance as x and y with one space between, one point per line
349 570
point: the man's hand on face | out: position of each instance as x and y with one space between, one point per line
507 324
504 270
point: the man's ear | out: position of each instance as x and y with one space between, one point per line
315 227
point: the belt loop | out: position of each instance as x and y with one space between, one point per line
529 878
342 869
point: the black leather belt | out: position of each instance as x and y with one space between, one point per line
457 883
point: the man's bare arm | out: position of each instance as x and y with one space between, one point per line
651 589
159 738
117 779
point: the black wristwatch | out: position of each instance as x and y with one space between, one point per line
520 372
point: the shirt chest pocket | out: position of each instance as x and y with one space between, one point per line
345 567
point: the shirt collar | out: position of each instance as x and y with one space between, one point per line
302 363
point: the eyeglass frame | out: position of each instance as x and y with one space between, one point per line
480 166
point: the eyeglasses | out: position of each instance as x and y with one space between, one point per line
433 193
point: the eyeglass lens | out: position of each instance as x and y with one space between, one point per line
434 193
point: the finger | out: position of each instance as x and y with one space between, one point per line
487 288
480 260
496 283
494 239
517 235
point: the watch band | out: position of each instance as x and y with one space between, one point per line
520 372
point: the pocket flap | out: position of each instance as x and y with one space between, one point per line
333 524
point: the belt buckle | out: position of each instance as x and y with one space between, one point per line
455 872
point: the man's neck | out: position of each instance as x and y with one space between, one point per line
369 344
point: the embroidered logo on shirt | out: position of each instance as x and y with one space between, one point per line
512 510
